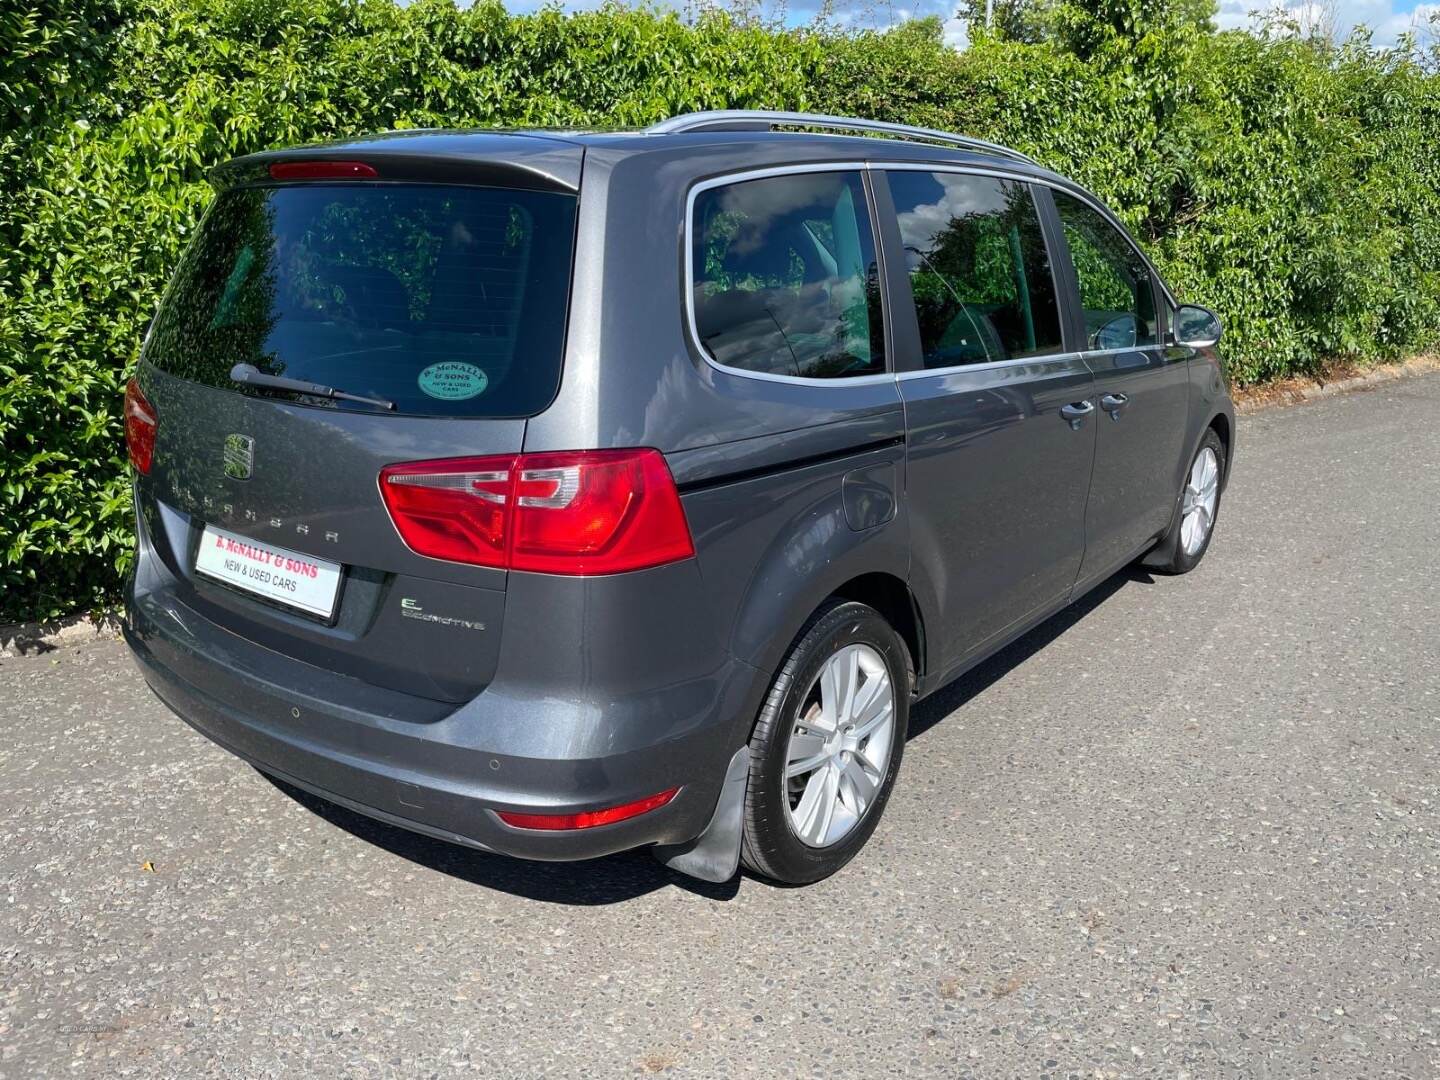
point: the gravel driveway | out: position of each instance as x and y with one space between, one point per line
1187 828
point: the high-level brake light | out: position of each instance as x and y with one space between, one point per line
322 170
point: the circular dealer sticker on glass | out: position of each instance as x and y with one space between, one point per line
453 380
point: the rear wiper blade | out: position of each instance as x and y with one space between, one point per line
250 375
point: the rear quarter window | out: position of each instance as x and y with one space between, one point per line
448 301
785 279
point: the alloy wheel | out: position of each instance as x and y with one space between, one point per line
839 749
1197 508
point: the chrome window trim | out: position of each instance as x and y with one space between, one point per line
989 365
1117 352
892 375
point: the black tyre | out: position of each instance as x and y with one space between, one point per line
827 746
1182 548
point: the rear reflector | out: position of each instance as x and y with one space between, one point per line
322 170
141 424
587 819
580 512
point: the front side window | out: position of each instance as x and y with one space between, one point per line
979 269
785 276
1116 291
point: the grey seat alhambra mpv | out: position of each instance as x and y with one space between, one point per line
564 493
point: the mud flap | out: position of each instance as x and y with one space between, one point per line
714 855
1163 553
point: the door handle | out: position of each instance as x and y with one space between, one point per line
1113 403
1076 412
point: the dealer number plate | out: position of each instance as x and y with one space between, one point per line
288 577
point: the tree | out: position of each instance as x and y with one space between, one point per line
1089 27
1013 20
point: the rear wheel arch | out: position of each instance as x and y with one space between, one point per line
896 603
893 601
888 594
774 843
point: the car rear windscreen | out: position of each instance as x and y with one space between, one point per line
446 300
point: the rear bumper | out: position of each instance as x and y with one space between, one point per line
447 772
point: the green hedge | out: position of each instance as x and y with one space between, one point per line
1293 187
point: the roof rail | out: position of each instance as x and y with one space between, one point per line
765 120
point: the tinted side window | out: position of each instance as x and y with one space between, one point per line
978 267
1115 287
785 276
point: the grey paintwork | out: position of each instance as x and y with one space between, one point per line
997 486
1136 448
965 490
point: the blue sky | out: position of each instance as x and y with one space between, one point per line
1387 18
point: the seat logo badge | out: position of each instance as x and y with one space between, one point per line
239 456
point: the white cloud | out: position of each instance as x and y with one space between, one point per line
1418 20
960 197
1337 16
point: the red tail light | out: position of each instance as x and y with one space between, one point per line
322 170
141 424
587 819
579 512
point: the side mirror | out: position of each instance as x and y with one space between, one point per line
1196 327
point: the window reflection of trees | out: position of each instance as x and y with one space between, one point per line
786 280
1113 280
980 273
362 286
222 300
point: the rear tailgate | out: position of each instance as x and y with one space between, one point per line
447 301
400 620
